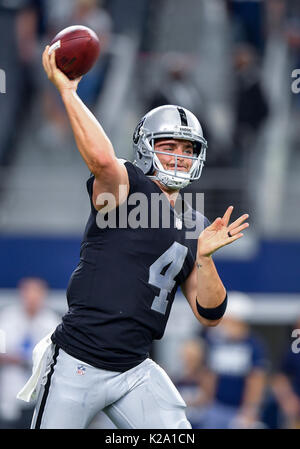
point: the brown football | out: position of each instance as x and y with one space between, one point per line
77 48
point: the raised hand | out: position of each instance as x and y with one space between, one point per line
220 233
55 75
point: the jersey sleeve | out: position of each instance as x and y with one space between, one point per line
135 175
89 184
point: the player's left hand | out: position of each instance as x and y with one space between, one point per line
220 233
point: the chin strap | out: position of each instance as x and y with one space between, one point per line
166 183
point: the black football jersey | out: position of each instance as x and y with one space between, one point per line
120 294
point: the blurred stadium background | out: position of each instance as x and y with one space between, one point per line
231 63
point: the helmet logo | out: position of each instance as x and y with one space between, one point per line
183 116
136 134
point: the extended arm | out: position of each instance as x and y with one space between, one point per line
204 286
92 142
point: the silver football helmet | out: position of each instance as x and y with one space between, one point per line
174 122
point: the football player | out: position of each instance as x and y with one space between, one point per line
121 292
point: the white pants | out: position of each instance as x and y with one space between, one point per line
73 392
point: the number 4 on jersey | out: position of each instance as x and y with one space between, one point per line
162 273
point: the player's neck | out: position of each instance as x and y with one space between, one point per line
171 194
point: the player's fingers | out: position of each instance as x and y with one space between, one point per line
235 237
45 60
53 61
215 224
238 221
238 229
44 57
226 216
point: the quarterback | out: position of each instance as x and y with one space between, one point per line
121 292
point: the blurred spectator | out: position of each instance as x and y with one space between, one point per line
275 15
251 108
90 13
237 362
19 39
23 324
193 385
286 386
248 17
175 85
292 24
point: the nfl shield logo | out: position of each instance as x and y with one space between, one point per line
81 370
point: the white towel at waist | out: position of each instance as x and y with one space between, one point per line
39 358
